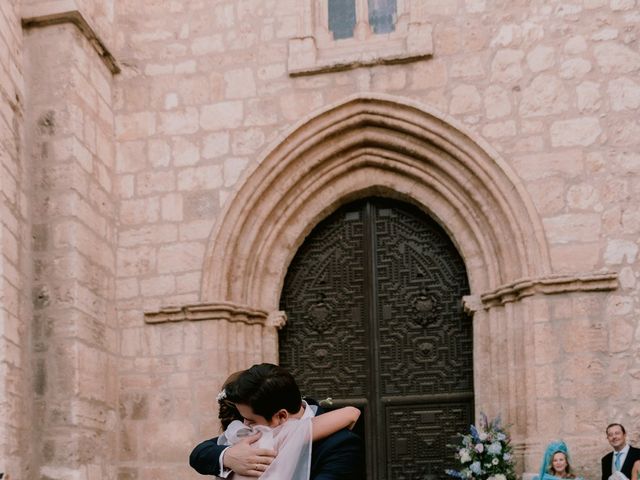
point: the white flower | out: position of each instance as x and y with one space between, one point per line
500 476
482 436
222 395
465 457
495 461
479 447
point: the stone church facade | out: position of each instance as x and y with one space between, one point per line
162 163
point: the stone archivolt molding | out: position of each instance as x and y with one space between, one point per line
553 284
66 11
217 311
373 145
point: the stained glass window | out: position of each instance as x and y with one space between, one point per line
346 34
342 18
382 15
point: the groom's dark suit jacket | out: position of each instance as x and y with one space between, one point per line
337 457
627 466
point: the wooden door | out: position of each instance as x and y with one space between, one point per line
375 319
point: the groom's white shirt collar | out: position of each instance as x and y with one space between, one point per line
624 450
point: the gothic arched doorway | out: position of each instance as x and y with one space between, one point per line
375 319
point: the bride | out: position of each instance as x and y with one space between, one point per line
291 436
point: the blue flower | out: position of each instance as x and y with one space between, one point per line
476 468
495 448
455 473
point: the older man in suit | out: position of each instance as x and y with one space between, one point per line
623 456
269 388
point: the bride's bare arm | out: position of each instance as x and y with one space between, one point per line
636 469
330 422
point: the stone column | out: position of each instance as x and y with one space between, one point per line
15 412
70 147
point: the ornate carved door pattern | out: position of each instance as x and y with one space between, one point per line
375 319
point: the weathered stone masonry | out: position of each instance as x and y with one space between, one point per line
161 161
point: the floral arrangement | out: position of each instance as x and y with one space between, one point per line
485 453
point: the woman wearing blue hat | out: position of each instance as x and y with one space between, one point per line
555 463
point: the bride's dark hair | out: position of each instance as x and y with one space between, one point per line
227 411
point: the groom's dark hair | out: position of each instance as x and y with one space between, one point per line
266 388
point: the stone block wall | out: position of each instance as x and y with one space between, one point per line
205 93
71 159
14 252
104 217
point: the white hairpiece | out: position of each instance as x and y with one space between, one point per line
222 395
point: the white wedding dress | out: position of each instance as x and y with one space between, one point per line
291 440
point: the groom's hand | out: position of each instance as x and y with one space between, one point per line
243 459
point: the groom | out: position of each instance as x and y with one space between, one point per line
263 390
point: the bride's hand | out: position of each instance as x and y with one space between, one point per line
243 459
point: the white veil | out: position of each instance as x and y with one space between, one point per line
293 444
292 441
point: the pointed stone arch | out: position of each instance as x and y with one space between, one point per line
366 145
377 145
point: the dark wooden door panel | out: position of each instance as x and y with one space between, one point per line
325 342
373 299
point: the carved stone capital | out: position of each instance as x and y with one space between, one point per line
228 311
471 303
277 319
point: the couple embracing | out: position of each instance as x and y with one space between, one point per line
272 433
